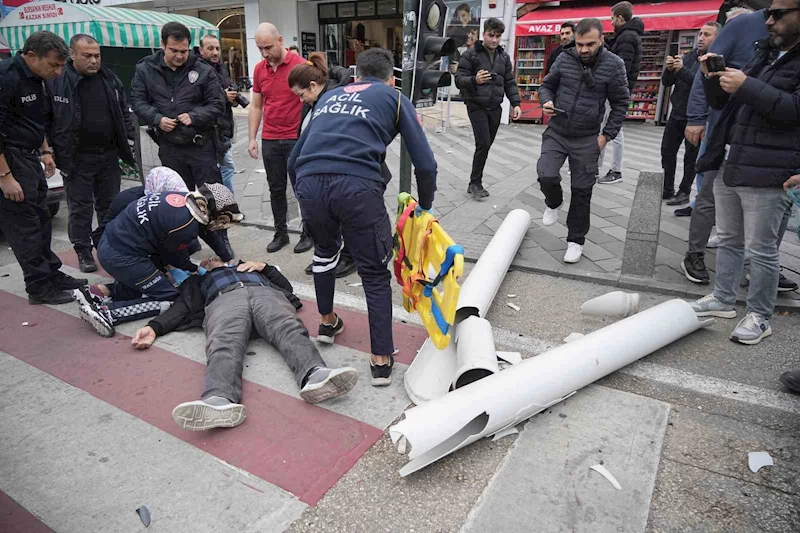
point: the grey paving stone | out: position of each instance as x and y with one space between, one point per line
610 265
599 237
546 240
617 247
594 252
618 221
615 231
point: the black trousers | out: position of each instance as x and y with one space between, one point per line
484 127
583 153
26 225
196 164
276 161
670 144
93 183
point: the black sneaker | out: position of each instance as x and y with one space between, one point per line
99 317
345 267
49 295
86 262
328 331
784 283
381 374
477 191
791 380
684 212
679 199
310 269
694 267
666 195
611 177
278 241
63 282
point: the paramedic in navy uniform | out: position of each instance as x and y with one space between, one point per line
337 167
24 216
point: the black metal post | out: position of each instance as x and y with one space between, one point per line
137 146
410 16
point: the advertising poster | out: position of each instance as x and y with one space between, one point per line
463 26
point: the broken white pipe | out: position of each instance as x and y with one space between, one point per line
615 303
490 405
476 357
432 371
481 286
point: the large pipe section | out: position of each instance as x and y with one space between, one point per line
485 407
482 284
433 371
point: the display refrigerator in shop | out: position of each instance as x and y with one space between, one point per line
644 96
530 57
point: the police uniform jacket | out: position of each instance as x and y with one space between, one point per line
158 224
67 115
197 91
23 106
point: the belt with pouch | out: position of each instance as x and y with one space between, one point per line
233 287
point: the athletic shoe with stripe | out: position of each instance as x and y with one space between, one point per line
209 413
327 332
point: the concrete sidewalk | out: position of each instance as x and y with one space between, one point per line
510 177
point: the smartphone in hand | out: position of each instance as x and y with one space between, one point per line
715 63
673 50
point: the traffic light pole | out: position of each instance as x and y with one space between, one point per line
410 23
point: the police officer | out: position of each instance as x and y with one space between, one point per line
179 96
337 167
90 130
24 217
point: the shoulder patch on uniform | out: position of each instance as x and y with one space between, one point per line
176 200
356 88
193 75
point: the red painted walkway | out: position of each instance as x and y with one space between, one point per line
16 519
301 448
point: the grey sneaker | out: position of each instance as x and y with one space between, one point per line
752 328
208 413
710 306
324 383
611 177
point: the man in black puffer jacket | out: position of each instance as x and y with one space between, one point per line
755 147
485 74
627 44
574 93
179 95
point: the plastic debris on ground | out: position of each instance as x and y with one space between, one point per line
144 514
758 460
600 469
356 284
615 303
505 433
512 296
512 306
573 336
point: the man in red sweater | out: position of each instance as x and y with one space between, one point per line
275 102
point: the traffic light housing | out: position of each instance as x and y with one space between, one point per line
431 48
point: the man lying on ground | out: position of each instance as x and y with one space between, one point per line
231 302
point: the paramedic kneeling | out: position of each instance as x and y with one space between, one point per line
337 167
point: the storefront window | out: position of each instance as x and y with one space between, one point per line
366 9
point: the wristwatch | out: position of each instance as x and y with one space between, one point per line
4 174
45 152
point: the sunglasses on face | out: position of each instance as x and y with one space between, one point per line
778 14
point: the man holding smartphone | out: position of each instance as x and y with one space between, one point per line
574 94
754 149
485 74
679 74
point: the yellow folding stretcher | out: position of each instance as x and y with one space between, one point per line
427 264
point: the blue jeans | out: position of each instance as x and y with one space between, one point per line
749 222
227 169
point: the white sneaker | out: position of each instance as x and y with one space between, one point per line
574 252
713 241
550 216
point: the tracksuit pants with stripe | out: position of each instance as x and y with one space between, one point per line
337 207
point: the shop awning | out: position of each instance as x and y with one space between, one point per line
687 15
111 26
